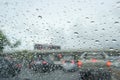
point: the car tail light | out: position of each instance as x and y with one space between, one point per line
63 62
60 55
108 63
79 63
44 62
72 62
94 60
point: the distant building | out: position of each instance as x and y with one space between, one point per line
46 47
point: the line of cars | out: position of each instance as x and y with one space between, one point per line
45 64
68 63
91 66
87 62
42 64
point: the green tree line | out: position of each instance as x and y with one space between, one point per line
4 41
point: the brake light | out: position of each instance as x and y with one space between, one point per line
60 55
44 62
72 62
79 63
63 62
94 60
108 63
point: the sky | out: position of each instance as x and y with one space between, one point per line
72 24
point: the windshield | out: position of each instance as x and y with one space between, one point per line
38 36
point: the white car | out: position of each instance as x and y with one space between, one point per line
93 60
93 65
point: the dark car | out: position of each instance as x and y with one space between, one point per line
8 68
17 65
42 65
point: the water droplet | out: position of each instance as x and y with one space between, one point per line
114 40
116 50
47 29
40 16
95 30
87 17
106 40
118 2
68 22
111 48
74 25
62 37
37 9
97 41
90 47
92 21
84 42
102 3
78 36
116 22
76 33
2 25
103 28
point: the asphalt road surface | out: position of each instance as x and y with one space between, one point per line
56 75
27 74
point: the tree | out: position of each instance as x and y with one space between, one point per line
4 41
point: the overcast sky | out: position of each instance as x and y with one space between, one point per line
74 24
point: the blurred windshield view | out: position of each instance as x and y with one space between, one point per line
60 40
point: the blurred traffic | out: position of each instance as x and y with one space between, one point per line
88 66
59 39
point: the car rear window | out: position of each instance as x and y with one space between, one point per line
95 55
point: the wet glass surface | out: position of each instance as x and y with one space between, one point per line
59 40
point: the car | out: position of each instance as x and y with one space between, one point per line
93 59
8 68
17 65
69 65
43 64
115 62
93 64
112 58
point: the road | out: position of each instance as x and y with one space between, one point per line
56 75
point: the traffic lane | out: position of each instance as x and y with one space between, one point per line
95 75
54 75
